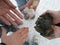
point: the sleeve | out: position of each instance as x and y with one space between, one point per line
2 44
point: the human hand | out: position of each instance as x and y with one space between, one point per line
26 5
30 4
55 15
56 31
7 16
17 38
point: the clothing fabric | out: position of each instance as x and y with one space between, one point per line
21 2
8 28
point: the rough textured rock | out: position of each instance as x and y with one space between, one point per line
43 24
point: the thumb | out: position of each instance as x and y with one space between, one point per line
3 32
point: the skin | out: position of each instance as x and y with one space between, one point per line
55 14
26 5
29 4
6 14
56 19
56 31
17 38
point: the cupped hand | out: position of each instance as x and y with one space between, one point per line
17 38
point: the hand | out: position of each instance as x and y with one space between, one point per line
7 16
55 15
26 5
17 38
30 4
56 31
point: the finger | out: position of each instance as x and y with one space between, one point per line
24 38
3 11
5 20
17 19
46 12
22 30
24 35
20 34
3 8
9 3
10 20
50 11
18 14
22 7
3 32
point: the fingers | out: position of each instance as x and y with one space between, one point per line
22 30
22 7
23 34
9 3
50 11
3 8
5 20
17 20
16 12
25 31
3 32
10 20
24 38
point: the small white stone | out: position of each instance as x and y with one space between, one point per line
9 33
29 11
36 38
